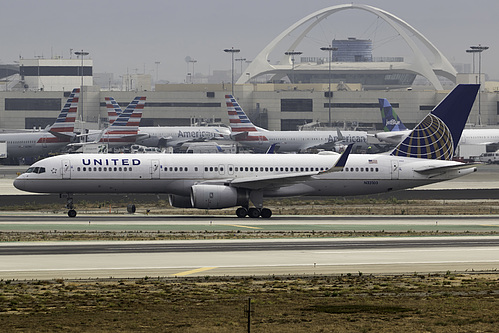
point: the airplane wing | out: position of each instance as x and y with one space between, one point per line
62 135
282 180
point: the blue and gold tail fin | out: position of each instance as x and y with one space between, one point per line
437 135
390 119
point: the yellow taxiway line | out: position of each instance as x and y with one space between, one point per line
197 270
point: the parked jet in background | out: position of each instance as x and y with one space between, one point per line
397 130
213 181
170 136
122 131
259 139
53 138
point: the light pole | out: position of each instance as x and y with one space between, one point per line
241 60
330 53
232 50
81 54
478 49
292 54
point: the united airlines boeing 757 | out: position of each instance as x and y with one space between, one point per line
210 181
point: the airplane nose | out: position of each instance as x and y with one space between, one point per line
19 184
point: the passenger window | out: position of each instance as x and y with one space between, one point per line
78 169
105 168
186 169
130 169
84 169
100 168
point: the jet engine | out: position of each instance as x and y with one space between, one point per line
179 201
218 196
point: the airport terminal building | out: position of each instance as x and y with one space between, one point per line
341 89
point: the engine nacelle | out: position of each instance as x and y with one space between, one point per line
218 196
179 201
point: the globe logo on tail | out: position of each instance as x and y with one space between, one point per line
431 139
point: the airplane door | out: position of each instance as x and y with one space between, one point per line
230 169
66 169
221 169
155 169
395 169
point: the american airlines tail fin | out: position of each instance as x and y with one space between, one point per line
437 135
65 122
239 121
126 126
390 119
113 109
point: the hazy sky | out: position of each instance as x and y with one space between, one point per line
132 35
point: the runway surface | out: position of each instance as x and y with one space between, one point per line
10 222
280 256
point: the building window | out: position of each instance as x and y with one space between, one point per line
297 105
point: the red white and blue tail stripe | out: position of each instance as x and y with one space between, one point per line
239 121
113 109
126 126
65 122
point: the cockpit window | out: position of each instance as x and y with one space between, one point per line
35 170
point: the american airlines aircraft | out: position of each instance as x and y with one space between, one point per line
51 139
169 136
123 129
259 139
211 181
395 130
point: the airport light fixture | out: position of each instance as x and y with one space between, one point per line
478 49
81 54
232 50
330 53
292 54
241 60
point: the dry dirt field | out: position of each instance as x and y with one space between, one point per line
352 303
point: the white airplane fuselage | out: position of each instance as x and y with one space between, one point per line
172 136
288 175
31 144
295 141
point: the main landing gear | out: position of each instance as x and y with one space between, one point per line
253 212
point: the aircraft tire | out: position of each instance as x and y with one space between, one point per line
131 208
254 213
266 213
72 213
241 212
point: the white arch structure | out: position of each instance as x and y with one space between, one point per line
260 65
